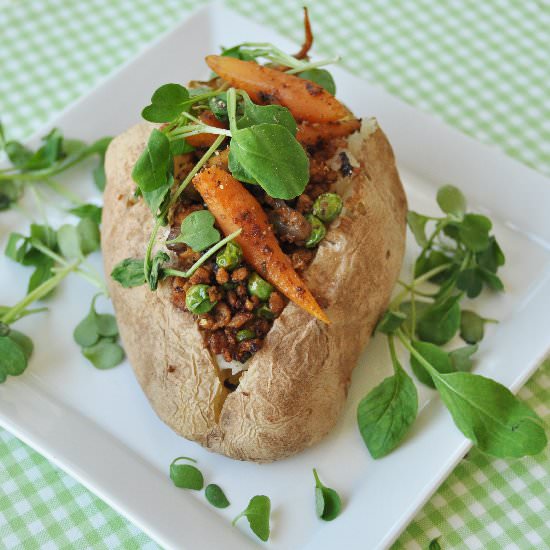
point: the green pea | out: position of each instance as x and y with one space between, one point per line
245 334
259 287
230 256
265 312
197 300
218 105
327 206
318 231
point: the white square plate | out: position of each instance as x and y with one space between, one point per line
99 427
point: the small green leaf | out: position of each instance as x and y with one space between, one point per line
186 476
390 322
417 224
68 239
151 169
265 114
23 341
13 360
474 230
440 321
472 327
490 415
327 501
90 211
215 496
156 273
461 358
451 200
320 77
10 193
86 333
270 154
18 154
492 257
41 274
385 415
104 355
167 103
88 234
106 324
197 231
434 544
438 358
180 147
129 273
471 281
257 513
235 167
430 260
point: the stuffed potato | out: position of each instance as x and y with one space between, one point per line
251 354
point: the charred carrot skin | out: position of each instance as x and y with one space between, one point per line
315 133
206 140
234 207
305 99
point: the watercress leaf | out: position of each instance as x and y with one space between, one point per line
68 239
23 341
90 211
235 167
472 327
490 415
417 224
186 476
156 198
11 250
474 232
321 77
106 325
430 260
238 53
273 157
45 234
156 269
461 358
167 103
390 322
13 360
10 193
438 358
471 281
41 274
406 309
434 545
104 355
86 333
151 169
197 230
18 154
129 273
451 231
327 501
440 321
99 175
268 114
492 257
451 200
48 153
180 147
385 415
215 496
88 233
492 281
257 513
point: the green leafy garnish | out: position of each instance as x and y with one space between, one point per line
321 77
257 513
151 169
167 103
90 211
96 334
129 273
386 413
215 496
197 231
186 476
327 501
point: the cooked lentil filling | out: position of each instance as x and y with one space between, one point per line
239 322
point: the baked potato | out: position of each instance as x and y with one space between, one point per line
295 367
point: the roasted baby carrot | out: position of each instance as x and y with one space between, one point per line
234 207
313 133
305 99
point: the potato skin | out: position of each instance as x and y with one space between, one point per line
296 385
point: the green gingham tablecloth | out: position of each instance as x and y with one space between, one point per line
484 67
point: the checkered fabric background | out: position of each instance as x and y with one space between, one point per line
484 67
